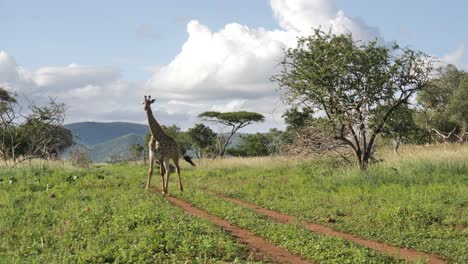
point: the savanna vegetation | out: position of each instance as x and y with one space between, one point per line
63 214
374 146
100 215
29 131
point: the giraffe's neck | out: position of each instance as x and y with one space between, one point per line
156 130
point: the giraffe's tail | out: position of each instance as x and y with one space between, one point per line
189 160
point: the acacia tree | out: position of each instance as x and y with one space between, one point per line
233 121
349 82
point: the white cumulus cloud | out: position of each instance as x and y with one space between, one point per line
302 15
232 67
455 57
74 76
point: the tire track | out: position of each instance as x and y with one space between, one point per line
396 252
272 252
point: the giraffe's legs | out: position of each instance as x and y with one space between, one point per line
162 171
150 172
167 167
176 163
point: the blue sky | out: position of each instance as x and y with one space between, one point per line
433 26
129 35
193 55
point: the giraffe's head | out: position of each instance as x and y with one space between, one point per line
147 102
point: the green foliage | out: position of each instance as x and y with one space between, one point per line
203 138
183 140
443 105
458 105
173 131
402 128
37 134
6 97
252 145
233 120
136 151
350 82
297 118
257 145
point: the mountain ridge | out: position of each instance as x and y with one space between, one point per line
106 141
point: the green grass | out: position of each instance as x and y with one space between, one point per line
293 237
101 215
66 215
420 203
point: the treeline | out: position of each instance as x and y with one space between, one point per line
438 113
203 142
29 131
345 96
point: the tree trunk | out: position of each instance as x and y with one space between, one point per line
396 144
362 158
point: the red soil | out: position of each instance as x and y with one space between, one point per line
401 253
272 252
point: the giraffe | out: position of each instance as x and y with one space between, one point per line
167 148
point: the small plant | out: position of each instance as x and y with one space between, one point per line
72 178
80 158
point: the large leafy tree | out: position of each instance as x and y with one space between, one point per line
231 120
43 133
251 145
37 132
349 82
296 118
458 108
401 128
203 139
440 106
258 144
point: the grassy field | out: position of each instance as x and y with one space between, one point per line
418 199
97 216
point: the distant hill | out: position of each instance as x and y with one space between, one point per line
103 141
106 140
103 152
91 133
